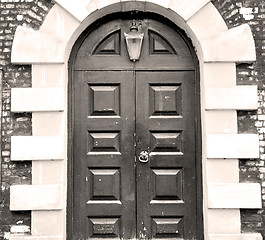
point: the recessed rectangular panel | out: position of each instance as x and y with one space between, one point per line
103 142
103 184
165 100
104 100
167 184
104 227
167 142
167 227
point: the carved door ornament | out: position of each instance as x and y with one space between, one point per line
134 40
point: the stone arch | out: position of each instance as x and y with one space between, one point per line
218 49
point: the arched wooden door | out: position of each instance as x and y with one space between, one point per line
120 110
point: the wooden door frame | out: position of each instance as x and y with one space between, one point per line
198 134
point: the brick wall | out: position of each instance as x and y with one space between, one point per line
31 13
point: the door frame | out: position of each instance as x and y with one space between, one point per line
198 133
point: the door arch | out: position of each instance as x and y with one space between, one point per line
119 109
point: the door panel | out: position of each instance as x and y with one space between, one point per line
104 155
166 184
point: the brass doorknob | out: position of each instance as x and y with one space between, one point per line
144 157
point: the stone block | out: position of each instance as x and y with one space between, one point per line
80 9
219 75
234 45
47 223
53 122
236 98
234 195
186 8
164 3
37 99
31 46
25 148
77 8
48 75
221 122
232 146
48 172
104 3
213 26
36 197
243 236
222 171
223 221
59 23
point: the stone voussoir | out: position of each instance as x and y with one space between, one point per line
234 45
205 29
31 46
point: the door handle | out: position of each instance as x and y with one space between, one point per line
144 157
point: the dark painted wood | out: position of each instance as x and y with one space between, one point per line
104 181
182 60
87 60
166 185
120 108
159 45
110 45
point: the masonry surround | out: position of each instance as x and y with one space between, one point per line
218 49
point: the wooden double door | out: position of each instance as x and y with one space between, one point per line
134 162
